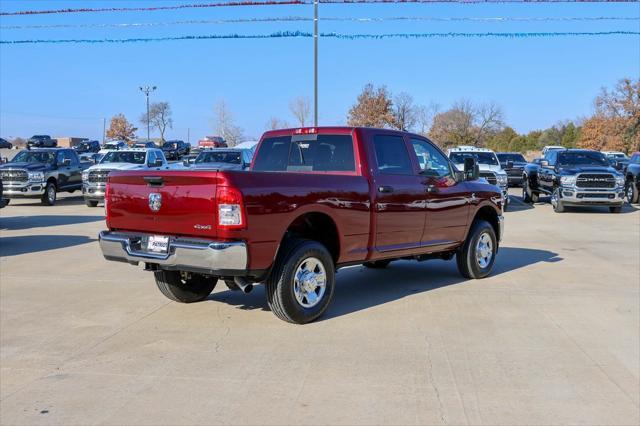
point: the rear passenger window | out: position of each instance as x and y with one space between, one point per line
326 153
392 155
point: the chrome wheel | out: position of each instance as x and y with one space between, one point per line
554 199
309 282
524 190
629 193
51 194
484 250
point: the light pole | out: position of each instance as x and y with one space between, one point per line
315 63
146 90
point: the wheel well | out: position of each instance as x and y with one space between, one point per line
318 227
489 214
52 179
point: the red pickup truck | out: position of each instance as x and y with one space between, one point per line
314 200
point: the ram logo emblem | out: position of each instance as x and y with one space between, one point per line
155 201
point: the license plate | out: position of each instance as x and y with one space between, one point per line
158 244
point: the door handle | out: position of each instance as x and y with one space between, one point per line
385 189
431 189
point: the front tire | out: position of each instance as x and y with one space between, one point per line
184 288
91 203
302 282
477 255
526 195
631 192
50 194
556 201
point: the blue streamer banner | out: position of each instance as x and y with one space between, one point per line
285 2
301 34
331 19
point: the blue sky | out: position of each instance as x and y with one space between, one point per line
66 89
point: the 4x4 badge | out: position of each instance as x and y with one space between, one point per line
155 201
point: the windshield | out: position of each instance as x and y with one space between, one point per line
35 157
231 157
584 158
169 145
481 157
516 158
124 157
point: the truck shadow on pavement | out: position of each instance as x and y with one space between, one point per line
14 246
359 288
16 223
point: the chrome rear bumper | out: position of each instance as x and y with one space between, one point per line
184 254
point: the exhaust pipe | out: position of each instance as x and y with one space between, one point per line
244 285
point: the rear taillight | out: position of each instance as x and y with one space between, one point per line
230 208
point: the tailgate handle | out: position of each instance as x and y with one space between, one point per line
154 180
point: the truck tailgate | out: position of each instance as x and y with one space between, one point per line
186 203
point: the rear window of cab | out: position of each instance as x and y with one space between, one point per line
306 153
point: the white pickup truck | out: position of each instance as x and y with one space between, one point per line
94 179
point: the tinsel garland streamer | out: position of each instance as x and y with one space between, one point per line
301 34
287 2
330 19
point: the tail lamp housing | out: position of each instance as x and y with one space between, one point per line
231 214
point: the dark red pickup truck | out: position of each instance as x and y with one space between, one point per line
314 200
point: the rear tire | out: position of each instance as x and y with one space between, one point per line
91 203
176 287
615 209
377 264
294 287
526 195
535 197
477 255
50 194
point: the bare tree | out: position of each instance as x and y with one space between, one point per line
488 120
160 117
225 125
466 124
404 111
300 109
275 123
424 116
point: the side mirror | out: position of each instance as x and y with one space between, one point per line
66 162
158 162
544 163
186 163
471 169
509 164
459 176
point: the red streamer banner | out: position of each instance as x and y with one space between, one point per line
289 2
157 8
